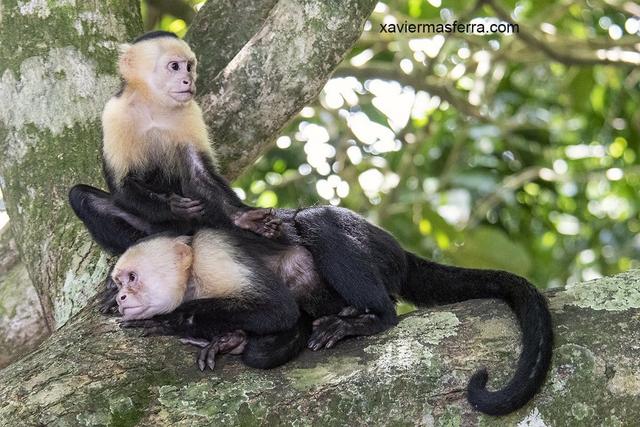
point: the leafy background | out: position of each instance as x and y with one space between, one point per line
511 151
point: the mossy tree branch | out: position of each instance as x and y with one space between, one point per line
278 71
90 372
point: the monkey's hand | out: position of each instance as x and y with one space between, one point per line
261 221
108 304
186 208
327 331
231 343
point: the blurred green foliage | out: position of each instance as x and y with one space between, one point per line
512 151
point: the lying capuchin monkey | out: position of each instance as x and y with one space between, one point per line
161 172
254 290
336 268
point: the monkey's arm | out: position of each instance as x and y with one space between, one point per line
212 317
134 196
222 206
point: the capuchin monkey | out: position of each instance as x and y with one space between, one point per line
162 176
154 136
254 290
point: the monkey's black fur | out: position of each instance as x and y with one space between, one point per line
366 271
154 35
140 206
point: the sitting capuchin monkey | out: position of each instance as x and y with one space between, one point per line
154 143
161 172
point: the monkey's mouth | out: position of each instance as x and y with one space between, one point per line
130 310
184 95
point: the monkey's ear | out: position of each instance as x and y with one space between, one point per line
184 251
125 60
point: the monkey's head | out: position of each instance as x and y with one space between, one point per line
152 276
161 67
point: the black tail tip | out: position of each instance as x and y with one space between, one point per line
478 383
488 402
479 397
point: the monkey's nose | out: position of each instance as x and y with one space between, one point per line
123 297
186 82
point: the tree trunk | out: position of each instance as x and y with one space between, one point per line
57 71
90 372
22 325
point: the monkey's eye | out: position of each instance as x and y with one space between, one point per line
189 66
174 66
132 277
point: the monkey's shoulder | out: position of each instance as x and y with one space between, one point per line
220 265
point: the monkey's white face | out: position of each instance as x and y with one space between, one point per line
163 69
152 277
175 78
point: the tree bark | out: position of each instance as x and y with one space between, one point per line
278 71
90 372
22 324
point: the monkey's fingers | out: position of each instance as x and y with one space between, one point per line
178 199
186 203
274 222
193 210
108 307
188 212
197 342
273 226
207 355
327 331
233 342
255 214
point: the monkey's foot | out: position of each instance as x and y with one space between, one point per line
327 331
260 221
231 343
186 208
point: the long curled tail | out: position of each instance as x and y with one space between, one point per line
430 283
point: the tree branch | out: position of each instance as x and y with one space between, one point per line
282 68
220 29
93 373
